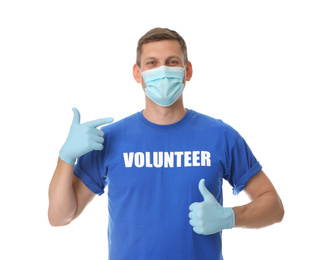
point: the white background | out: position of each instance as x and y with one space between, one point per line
261 66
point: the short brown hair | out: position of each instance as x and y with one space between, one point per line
160 34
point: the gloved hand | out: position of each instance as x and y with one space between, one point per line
209 217
82 138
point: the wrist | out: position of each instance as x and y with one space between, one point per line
231 218
66 158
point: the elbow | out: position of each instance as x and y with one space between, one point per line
58 222
280 212
55 223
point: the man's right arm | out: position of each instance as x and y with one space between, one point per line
68 195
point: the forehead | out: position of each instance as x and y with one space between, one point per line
161 49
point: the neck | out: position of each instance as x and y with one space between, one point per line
164 115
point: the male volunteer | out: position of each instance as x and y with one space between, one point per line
164 168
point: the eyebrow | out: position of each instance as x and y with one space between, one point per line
168 58
173 57
150 58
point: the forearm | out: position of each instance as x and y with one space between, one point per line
62 196
261 212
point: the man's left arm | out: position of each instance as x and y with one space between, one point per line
265 208
209 217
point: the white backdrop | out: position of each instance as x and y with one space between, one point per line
261 66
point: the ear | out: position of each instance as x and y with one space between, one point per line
136 73
189 71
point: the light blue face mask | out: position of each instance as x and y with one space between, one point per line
164 85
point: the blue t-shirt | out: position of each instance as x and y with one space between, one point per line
152 173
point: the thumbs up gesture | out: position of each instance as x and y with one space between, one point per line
83 138
209 217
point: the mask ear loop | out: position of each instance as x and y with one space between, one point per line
185 74
141 76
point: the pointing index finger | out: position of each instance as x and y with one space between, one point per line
99 122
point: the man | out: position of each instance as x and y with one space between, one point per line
164 168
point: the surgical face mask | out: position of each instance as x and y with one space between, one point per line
164 85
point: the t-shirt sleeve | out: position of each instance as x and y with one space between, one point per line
242 165
91 170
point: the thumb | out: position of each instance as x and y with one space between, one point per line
204 191
76 116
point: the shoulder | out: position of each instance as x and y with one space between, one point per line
121 124
212 124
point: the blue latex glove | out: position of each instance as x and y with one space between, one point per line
209 217
83 138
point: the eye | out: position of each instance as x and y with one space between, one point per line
173 62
